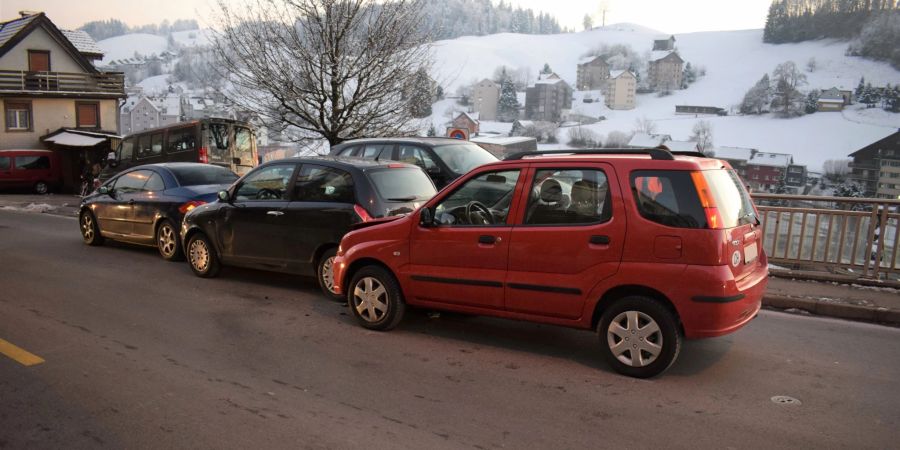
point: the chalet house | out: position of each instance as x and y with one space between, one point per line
49 85
665 70
620 89
738 157
664 45
468 121
547 98
592 74
694 109
833 99
149 113
876 167
486 96
766 170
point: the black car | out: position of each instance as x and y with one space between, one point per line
289 215
444 159
144 205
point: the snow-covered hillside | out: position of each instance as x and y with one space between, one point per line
125 46
734 61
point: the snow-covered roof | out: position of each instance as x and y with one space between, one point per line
830 100
618 73
526 123
549 81
734 153
657 55
681 146
501 140
771 159
83 42
644 140
588 59
473 116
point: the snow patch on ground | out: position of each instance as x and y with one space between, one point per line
125 46
193 38
31 207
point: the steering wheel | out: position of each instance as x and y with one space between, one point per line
267 194
484 214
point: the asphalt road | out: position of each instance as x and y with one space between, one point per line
139 353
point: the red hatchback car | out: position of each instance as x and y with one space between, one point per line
646 247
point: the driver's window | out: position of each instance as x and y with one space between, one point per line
269 183
415 155
481 201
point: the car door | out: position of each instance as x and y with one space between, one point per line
5 171
320 213
115 210
146 207
463 258
568 237
253 230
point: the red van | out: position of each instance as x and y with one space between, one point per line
35 169
646 247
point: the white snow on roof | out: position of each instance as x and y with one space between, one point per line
587 59
617 73
526 123
831 100
681 146
501 140
74 140
771 159
644 140
82 41
735 153
656 55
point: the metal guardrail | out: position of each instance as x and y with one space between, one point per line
18 81
859 235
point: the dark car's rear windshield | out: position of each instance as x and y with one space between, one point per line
203 174
407 184
461 158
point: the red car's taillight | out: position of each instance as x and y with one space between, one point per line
713 217
362 213
184 208
203 155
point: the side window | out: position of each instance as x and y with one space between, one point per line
268 183
373 151
243 144
156 144
4 162
415 155
181 140
143 146
155 183
567 197
348 151
132 182
127 149
323 184
219 140
668 197
32 162
484 200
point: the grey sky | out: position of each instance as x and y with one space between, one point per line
668 16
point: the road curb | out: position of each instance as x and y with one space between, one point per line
833 309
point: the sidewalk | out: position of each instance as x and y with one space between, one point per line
57 204
850 300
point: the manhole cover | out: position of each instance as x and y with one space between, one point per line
785 400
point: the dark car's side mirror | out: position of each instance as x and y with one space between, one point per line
224 196
426 218
433 170
104 190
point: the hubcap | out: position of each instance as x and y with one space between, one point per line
328 274
634 338
199 255
166 240
370 299
87 227
41 188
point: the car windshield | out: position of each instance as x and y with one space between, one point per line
406 184
461 158
203 174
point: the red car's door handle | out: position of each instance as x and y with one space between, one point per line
488 239
599 240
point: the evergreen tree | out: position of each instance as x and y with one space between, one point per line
508 105
432 132
690 74
860 87
588 22
546 70
420 95
812 99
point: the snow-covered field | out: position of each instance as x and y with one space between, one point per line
125 46
734 61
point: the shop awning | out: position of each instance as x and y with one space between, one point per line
74 140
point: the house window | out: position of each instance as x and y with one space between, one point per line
18 116
87 114
38 61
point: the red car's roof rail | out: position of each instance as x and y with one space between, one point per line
660 153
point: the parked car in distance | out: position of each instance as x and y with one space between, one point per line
443 159
643 246
223 142
37 170
289 215
145 204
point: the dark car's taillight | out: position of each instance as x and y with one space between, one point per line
362 213
203 155
186 207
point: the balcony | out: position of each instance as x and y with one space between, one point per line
62 84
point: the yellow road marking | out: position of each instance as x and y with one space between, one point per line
19 355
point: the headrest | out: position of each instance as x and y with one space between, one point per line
551 191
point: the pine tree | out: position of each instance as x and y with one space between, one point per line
508 105
860 87
546 70
432 132
812 101
588 22
420 95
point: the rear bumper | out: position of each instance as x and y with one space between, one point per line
711 314
338 268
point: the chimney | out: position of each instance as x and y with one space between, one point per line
27 13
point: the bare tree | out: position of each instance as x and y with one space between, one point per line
644 125
788 79
617 139
836 169
332 69
702 135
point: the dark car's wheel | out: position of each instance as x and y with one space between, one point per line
41 187
375 298
90 231
167 241
639 337
202 256
326 275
